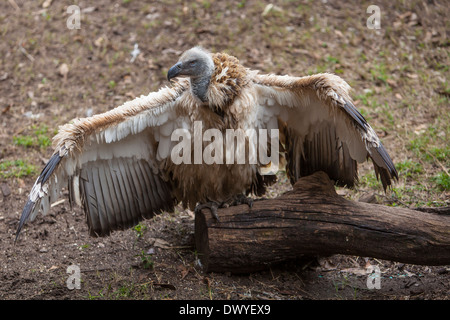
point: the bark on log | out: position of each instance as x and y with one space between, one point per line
313 220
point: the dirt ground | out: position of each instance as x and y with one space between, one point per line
50 74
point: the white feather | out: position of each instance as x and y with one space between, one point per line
76 190
45 205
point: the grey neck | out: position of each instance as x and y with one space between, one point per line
200 86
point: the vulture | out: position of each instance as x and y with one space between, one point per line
123 166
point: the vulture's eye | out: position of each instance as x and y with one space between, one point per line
193 63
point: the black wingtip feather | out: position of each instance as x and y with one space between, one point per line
49 168
356 115
27 210
388 161
386 173
43 178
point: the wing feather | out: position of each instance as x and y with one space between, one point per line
147 185
108 198
96 197
108 163
122 214
89 202
324 130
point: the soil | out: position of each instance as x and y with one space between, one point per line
50 74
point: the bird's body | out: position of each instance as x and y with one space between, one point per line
120 165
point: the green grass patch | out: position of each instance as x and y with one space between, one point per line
420 146
427 146
365 97
442 181
84 246
329 64
241 4
409 168
370 180
139 229
379 72
112 84
24 141
39 138
147 260
16 168
442 154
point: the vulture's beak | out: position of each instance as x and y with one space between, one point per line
174 71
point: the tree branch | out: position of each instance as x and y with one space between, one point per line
313 219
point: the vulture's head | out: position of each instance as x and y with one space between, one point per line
195 63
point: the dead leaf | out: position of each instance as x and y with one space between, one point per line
368 198
183 271
21 183
78 38
392 83
421 128
270 7
47 3
326 265
207 281
127 79
409 274
151 65
130 95
99 42
6 109
405 15
88 9
63 70
339 33
160 243
412 75
267 9
413 20
427 37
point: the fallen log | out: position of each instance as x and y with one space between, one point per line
313 219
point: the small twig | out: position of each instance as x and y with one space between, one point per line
14 4
427 152
20 131
438 162
57 203
29 56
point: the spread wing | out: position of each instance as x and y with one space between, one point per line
109 162
322 129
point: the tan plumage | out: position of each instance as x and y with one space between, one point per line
118 164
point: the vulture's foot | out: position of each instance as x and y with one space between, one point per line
241 199
212 206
